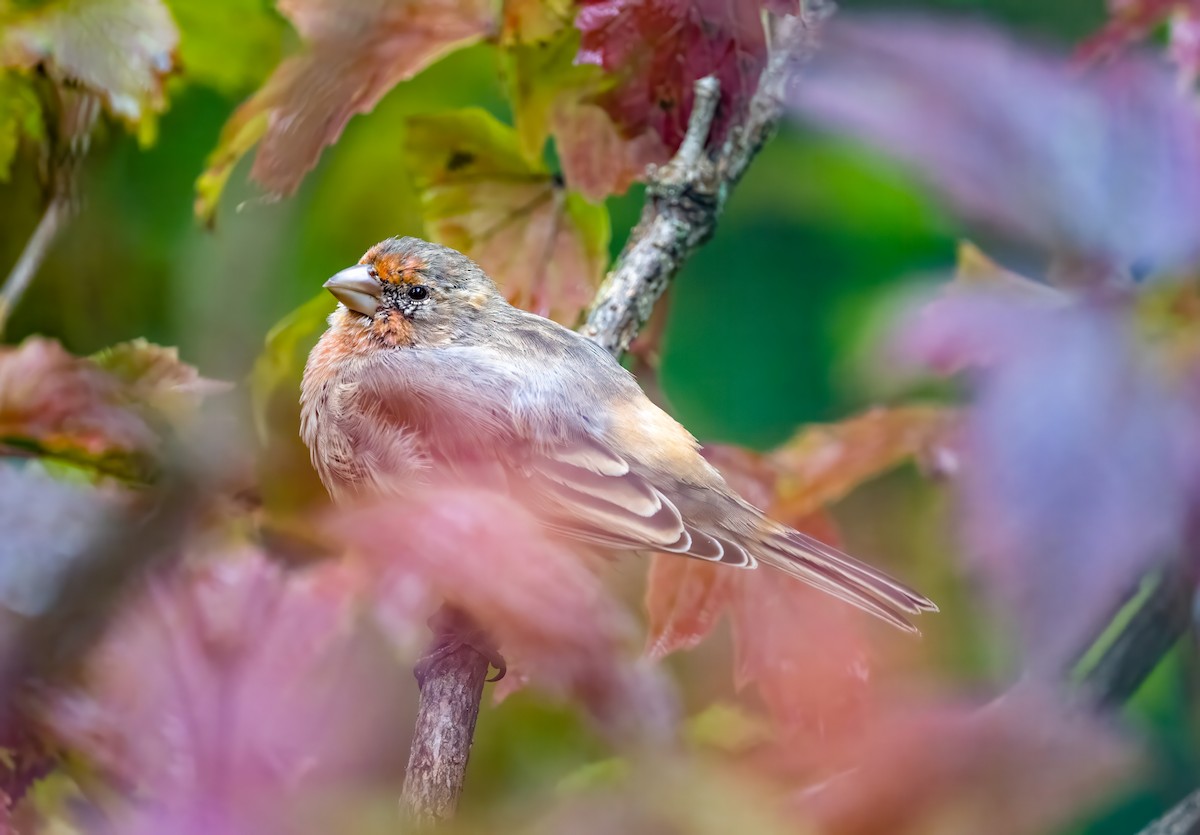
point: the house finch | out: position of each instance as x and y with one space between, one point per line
426 370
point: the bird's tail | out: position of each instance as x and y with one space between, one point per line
842 576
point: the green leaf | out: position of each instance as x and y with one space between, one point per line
539 74
544 246
20 118
230 45
281 363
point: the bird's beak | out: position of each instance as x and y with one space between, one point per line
356 288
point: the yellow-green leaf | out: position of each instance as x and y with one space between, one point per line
546 247
20 118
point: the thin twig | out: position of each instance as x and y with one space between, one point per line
18 281
683 200
1184 819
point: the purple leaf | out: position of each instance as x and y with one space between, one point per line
1076 461
1103 165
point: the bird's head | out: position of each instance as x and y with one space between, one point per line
406 291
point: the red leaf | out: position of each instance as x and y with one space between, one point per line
805 653
65 403
356 53
958 768
484 554
596 159
659 48
684 600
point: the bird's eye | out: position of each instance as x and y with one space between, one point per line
417 292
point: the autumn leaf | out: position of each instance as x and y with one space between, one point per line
484 554
354 55
545 246
803 682
68 406
154 378
51 515
658 49
121 50
996 127
1076 460
825 462
956 767
264 688
553 94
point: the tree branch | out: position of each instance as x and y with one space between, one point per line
1152 630
1184 819
684 198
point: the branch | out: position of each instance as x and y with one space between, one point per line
683 201
685 197
1184 819
77 112
36 247
1153 629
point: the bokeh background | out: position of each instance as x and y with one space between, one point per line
775 325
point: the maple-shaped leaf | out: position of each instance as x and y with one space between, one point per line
20 118
108 413
66 405
552 94
1101 167
355 53
956 767
803 682
155 378
1076 456
658 49
820 466
121 50
545 246
228 692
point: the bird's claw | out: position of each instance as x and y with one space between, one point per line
452 632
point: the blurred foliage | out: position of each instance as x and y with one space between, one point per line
764 332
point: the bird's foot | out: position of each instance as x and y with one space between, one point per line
453 631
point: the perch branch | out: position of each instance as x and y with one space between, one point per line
683 201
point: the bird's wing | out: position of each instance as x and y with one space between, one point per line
585 485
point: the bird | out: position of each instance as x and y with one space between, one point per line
427 370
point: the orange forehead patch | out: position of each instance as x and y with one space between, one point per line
392 267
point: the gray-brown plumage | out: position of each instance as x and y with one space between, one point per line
427 369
